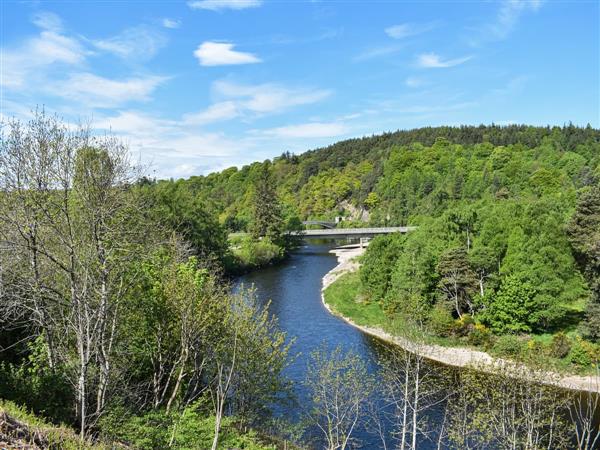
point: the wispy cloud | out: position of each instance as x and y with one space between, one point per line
433 61
405 30
96 91
50 49
214 113
174 148
216 5
171 23
48 21
378 52
268 97
222 54
507 18
139 43
308 130
249 101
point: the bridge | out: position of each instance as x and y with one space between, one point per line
320 223
351 232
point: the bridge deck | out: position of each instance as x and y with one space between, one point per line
354 232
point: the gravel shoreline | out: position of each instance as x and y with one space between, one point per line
451 356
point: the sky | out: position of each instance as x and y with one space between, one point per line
198 86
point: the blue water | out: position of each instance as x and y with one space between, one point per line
294 290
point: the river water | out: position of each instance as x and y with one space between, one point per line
294 291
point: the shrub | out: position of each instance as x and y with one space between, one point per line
464 326
560 346
252 254
508 345
583 353
481 336
441 322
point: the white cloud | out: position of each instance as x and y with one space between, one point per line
140 43
134 123
214 113
171 23
96 91
216 5
432 60
249 101
48 21
404 30
222 54
509 14
505 21
174 148
267 98
46 50
309 130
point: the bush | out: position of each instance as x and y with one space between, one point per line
481 336
561 346
464 326
251 254
441 322
191 429
583 353
508 345
32 383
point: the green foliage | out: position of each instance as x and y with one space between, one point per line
33 430
174 205
513 309
581 354
266 214
584 234
190 429
561 345
441 322
508 345
45 391
251 254
377 265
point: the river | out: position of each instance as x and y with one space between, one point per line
294 291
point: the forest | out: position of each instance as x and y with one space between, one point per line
508 221
117 316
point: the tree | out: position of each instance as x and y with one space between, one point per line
456 279
340 387
69 220
509 409
267 220
378 263
411 387
584 234
484 263
512 309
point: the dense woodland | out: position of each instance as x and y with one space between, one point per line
508 225
117 317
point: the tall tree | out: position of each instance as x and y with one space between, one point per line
457 280
267 220
584 233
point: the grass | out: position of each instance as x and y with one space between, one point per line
55 437
343 297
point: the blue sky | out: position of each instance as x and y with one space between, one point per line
202 85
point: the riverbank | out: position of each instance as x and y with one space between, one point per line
451 356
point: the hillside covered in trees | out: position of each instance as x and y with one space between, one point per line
507 216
